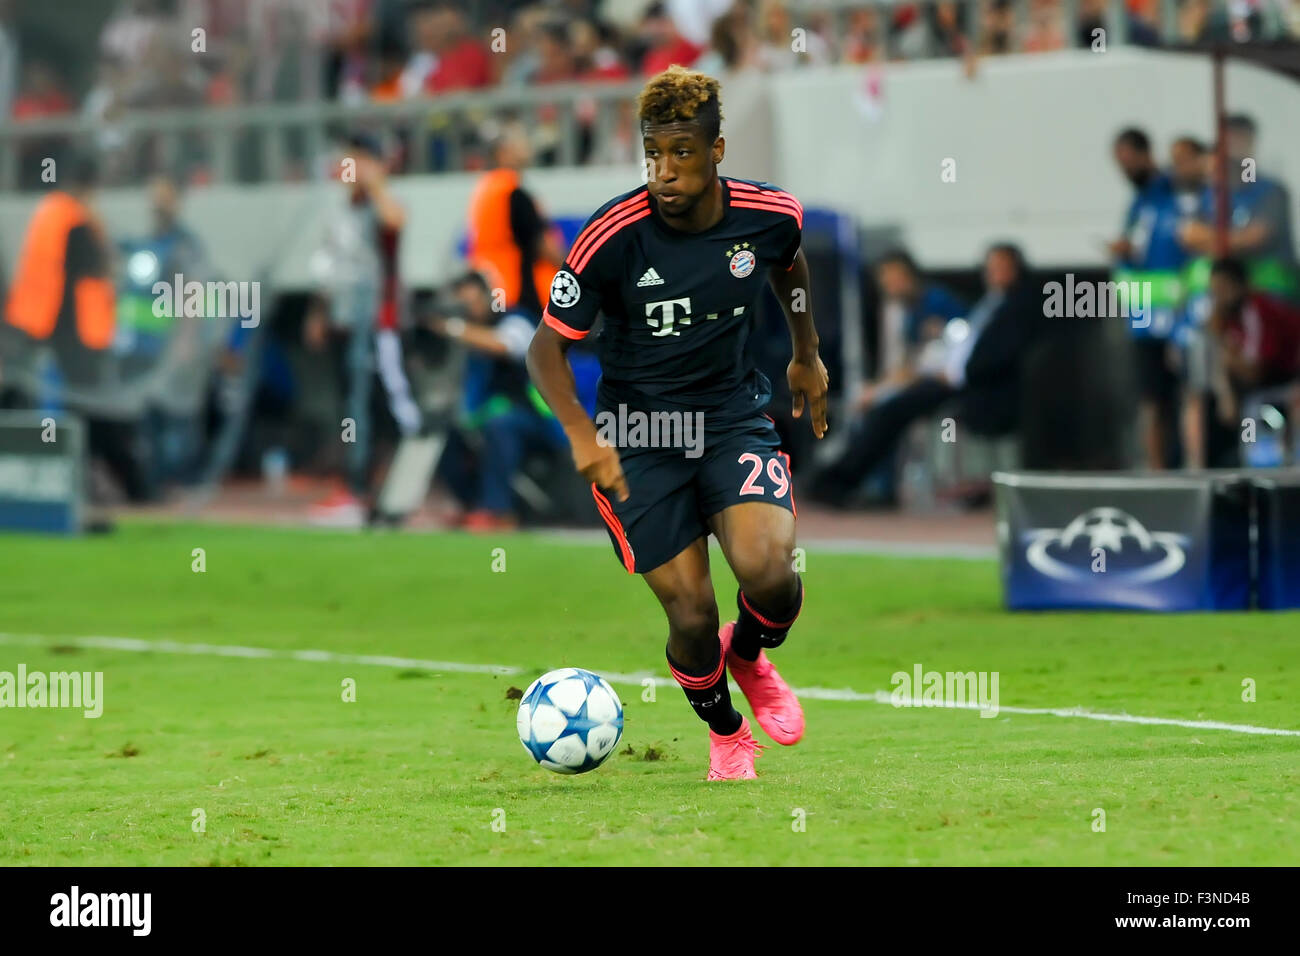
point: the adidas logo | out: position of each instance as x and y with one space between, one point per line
650 278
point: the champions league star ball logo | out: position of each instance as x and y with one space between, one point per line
565 289
742 260
1134 555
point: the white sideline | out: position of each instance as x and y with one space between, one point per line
410 663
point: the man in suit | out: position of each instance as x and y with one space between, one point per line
978 373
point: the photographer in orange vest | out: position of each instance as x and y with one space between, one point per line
63 297
509 239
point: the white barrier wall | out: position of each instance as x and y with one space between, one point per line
1030 136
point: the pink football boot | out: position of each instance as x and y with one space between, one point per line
732 757
776 708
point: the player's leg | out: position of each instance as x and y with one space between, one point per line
758 540
697 659
747 491
658 533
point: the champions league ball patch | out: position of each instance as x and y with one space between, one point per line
565 289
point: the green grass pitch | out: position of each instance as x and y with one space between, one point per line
425 768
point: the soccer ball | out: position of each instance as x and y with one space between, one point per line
570 720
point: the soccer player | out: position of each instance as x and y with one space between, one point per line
678 267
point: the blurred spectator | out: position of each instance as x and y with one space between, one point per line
733 44
928 30
130 32
780 48
170 78
913 313
911 32
1143 22
948 25
1091 19
463 62
862 43
1193 20
1259 335
41 93
1148 252
911 320
998 35
175 350
665 46
1046 29
346 40
1187 168
358 268
594 53
1259 217
595 61
980 369
520 57
62 297
502 417
425 27
556 56
509 240
388 79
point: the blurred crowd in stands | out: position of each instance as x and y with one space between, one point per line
264 51
414 54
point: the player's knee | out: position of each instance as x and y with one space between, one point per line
768 576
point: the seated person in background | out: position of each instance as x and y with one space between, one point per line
981 370
913 313
503 417
1255 338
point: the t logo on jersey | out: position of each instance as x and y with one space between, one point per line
668 315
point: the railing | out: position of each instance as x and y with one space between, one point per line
278 142
576 123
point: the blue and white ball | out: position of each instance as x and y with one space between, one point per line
570 720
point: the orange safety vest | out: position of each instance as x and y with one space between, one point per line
36 297
492 247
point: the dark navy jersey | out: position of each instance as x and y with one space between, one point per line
677 306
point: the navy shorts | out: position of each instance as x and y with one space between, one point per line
671 496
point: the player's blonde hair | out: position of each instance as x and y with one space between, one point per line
679 95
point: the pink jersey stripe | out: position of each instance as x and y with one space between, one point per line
754 191
798 216
607 513
585 237
628 217
781 200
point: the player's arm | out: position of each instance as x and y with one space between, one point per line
806 373
548 366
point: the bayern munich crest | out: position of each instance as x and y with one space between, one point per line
565 289
743 260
